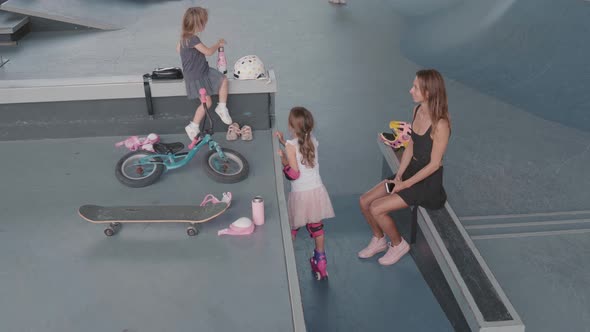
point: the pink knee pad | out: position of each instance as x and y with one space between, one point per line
294 232
315 229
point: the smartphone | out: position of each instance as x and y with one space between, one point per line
389 187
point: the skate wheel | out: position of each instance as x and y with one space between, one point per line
109 232
318 276
115 225
192 231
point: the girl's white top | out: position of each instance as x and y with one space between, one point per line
309 177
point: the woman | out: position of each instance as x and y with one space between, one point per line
419 178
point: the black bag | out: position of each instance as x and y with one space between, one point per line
170 73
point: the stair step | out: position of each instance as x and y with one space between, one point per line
521 218
13 27
528 228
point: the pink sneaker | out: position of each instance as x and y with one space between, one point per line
375 246
394 253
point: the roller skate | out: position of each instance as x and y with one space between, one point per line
318 265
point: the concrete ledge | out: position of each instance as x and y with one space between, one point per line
465 276
112 87
11 23
116 106
290 264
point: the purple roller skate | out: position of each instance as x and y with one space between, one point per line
318 265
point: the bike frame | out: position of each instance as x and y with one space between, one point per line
180 159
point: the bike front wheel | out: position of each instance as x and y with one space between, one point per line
231 169
133 172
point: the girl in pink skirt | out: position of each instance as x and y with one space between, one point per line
309 202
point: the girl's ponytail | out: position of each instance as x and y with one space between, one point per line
307 149
301 120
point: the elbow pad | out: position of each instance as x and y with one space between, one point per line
290 173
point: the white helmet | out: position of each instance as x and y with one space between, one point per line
249 67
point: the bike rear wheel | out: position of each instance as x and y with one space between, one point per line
234 168
131 173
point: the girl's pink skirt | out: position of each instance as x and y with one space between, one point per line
309 206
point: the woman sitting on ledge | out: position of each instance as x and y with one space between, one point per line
419 180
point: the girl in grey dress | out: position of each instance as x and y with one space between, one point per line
196 70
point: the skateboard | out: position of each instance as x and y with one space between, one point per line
117 215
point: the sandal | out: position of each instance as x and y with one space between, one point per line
226 198
246 133
233 131
209 199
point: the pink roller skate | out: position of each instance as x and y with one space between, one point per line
318 265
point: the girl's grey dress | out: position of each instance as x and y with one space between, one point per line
196 70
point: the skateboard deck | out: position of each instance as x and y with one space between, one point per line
116 215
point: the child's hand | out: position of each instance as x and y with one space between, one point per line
221 42
280 136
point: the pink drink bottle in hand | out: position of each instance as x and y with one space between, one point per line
258 211
221 62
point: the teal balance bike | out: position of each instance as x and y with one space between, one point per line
142 168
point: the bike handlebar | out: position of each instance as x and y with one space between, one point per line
193 143
203 94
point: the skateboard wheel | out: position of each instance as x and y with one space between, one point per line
116 225
109 232
192 231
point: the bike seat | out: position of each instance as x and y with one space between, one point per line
165 148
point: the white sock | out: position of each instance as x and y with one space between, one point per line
222 104
194 125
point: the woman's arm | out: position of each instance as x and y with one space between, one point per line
439 146
406 158
407 155
208 51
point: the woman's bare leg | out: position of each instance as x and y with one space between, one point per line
379 211
365 201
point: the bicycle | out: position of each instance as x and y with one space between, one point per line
142 168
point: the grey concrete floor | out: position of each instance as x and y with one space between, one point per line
60 273
353 66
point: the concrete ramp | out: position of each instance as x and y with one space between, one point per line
103 15
530 54
12 28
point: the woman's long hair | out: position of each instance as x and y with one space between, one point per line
193 21
432 87
301 120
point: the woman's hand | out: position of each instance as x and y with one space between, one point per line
280 136
399 185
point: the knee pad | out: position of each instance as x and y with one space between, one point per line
315 229
294 232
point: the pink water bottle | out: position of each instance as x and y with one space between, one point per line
258 211
221 62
